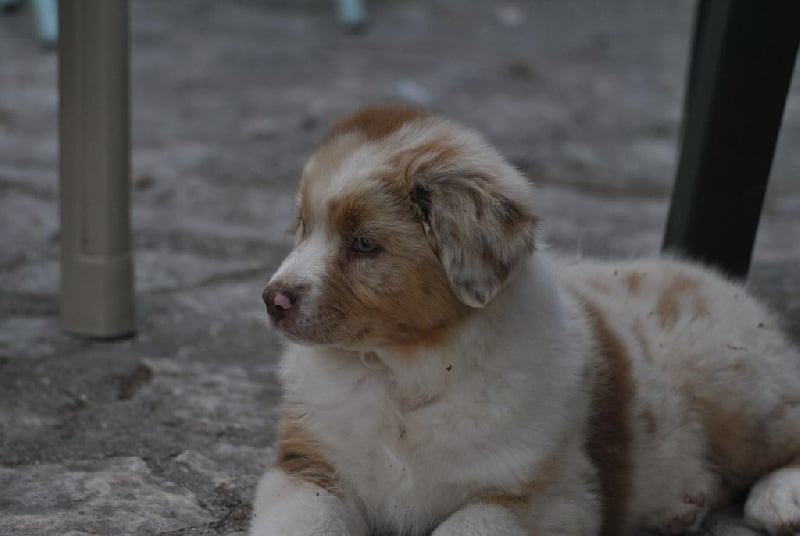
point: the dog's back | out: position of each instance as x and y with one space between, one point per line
716 398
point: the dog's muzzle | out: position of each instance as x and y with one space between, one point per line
279 302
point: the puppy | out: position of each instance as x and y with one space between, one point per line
445 376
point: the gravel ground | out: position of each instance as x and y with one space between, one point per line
167 432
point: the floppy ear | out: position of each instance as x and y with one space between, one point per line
479 232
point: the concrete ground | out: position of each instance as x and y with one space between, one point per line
167 433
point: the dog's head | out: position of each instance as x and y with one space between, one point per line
405 223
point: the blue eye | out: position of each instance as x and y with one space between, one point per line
364 245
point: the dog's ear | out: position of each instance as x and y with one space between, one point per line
479 228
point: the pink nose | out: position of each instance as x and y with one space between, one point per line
282 300
278 301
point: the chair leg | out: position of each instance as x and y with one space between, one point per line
96 261
741 67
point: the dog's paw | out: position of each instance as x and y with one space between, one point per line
688 515
276 525
774 503
287 506
481 520
684 517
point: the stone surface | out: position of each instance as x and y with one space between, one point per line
169 431
114 496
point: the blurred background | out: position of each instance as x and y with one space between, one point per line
168 432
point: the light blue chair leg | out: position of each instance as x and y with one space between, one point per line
46 13
352 13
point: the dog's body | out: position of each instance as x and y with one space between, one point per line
445 378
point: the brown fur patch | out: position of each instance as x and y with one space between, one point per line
299 454
422 158
375 122
633 281
477 231
507 500
700 306
348 214
610 434
668 306
399 297
743 446
730 439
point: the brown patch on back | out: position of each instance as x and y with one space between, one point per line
633 281
700 306
299 454
375 122
610 435
668 306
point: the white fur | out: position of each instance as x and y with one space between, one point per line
288 507
305 266
395 428
774 502
480 519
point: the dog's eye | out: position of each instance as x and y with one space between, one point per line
364 246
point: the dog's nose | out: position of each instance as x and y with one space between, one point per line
278 300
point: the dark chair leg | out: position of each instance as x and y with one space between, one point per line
741 67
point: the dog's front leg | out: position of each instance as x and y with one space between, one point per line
481 519
287 505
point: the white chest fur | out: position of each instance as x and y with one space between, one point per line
416 436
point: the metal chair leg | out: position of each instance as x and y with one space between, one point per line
96 261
